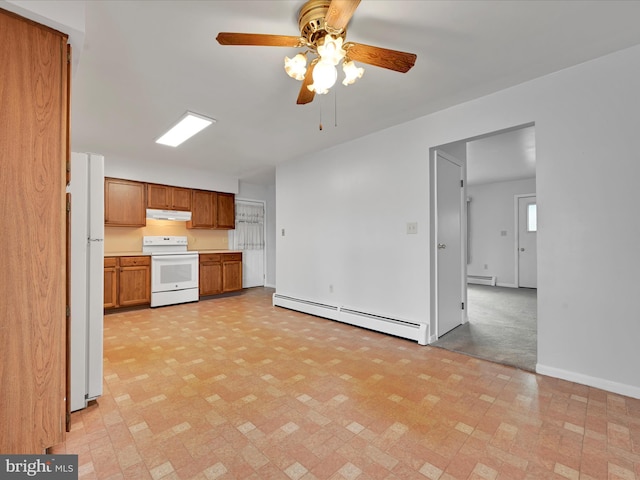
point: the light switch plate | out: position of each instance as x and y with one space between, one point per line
412 228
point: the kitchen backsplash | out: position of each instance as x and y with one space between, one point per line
129 239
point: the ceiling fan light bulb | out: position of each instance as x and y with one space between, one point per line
296 66
351 72
331 50
324 76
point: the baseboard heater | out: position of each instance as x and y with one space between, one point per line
392 326
482 280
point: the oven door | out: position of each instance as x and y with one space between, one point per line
173 272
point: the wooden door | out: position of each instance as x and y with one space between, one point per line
158 196
226 211
231 272
124 203
210 274
33 116
134 281
181 199
110 282
202 213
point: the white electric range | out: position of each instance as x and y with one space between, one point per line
174 270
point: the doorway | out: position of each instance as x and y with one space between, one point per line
500 170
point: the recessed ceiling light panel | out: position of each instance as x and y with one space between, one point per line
190 124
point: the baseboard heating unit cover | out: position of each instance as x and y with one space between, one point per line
392 326
482 280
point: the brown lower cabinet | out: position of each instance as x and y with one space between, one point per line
127 281
220 273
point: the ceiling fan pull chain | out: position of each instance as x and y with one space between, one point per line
320 116
335 107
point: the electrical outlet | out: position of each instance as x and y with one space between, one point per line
330 288
486 267
503 233
412 228
283 232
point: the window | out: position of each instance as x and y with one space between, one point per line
532 218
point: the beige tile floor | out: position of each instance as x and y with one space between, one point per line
233 388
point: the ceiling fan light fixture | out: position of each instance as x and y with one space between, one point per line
351 72
296 67
331 50
324 77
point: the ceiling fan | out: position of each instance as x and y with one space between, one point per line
323 28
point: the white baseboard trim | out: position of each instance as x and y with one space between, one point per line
380 323
268 285
601 383
508 285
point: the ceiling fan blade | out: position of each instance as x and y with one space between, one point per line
381 57
340 12
306 96
257 39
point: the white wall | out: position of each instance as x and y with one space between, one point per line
267 193
491 212
178 175
345 210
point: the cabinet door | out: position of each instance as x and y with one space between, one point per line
226 211
202 209
180 198
124 203
158 196
210 273
231 272
134 286
110 287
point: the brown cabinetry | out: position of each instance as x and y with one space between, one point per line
127 281
226 211
165 197
124 203
220 273
212 210
34 120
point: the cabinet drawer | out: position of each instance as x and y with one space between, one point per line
232 257
210 257
134 261
110 261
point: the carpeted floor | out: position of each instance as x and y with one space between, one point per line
502 327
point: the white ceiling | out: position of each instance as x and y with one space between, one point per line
502 157
145 63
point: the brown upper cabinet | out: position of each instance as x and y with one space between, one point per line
124 203
165 197
226 211
212 210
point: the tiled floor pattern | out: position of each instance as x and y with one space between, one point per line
233 388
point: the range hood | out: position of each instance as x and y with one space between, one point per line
175 215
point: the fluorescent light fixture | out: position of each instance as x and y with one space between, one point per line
190 124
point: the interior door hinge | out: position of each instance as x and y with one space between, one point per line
68 311
462 305
462 183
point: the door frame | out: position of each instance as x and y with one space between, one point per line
516 236
433 177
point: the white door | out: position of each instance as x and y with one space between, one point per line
527 233
449 242
249 237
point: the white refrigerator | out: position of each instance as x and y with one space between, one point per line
87 277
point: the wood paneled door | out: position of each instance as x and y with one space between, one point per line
33 154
